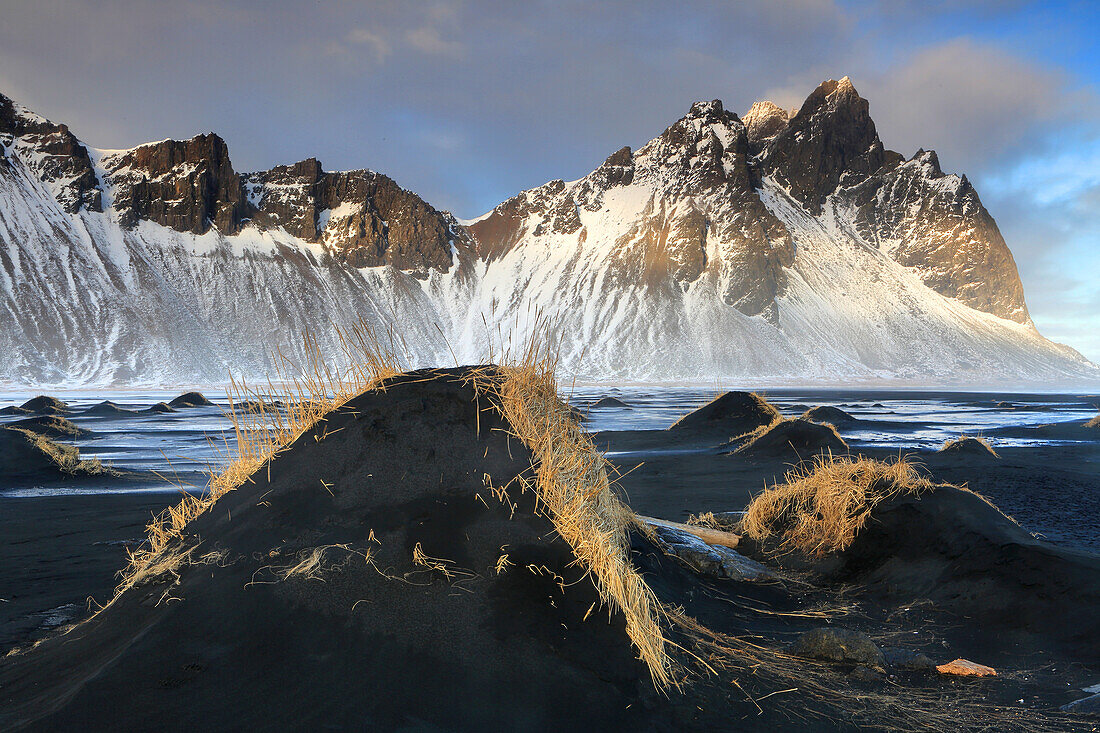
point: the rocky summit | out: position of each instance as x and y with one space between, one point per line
787 245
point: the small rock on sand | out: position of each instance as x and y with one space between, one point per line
840 645
966 668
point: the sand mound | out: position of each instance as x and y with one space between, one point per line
107 409
44 405
607 402
52 426
27 457
968 446
374 574
13 410
956 549
1093 423
733 413
798 438
190 399
829 414
160 408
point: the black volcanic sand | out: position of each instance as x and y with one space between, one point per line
396 645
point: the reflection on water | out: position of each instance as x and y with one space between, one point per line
183 445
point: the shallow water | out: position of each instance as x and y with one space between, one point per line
181 446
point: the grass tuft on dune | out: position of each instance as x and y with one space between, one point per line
823 505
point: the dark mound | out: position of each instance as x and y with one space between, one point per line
107 409
825 413
608 402
465 617
955 549
13 410
968 446
44 405
159 409
27 457
798 438
52 426
190 399
733 413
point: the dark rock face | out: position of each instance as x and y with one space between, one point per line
55 156
187 185
364 217
830 137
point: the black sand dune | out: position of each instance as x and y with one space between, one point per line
190 399
52 426
1012 594
796 438
970 446
161 408
29 458
826 413
40 405
107 409
733 413
605 402
427 635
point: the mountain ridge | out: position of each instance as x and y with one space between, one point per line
708 241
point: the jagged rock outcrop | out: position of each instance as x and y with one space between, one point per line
832 136
53 154
186 185
364 217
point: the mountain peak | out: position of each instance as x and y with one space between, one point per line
763 121
832 135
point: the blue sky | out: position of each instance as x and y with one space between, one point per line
469 102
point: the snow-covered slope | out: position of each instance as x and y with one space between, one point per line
701 256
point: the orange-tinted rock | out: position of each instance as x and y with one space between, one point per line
966 668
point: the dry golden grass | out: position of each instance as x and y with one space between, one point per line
954 443
822 506
1093 423
572 486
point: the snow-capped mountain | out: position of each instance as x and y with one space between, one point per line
770 247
